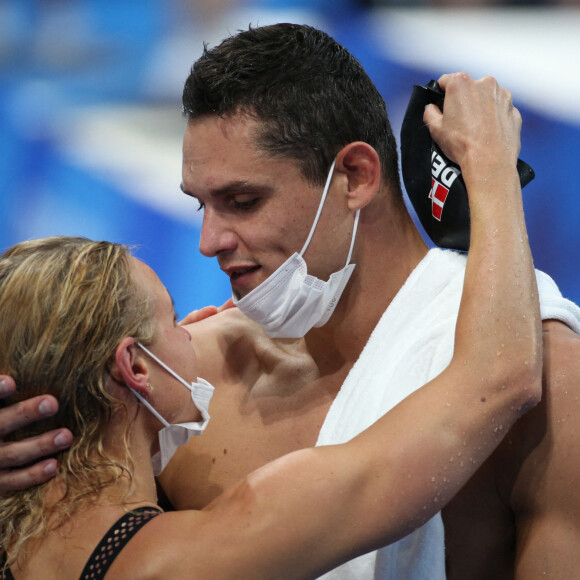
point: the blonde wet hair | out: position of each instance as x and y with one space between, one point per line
65 305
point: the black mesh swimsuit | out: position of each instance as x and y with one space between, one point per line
111 545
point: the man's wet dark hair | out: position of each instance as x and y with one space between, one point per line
311 94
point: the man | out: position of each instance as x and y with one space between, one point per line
274 114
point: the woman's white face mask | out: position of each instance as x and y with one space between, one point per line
290 302
171 436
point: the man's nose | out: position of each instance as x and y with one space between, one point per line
216 235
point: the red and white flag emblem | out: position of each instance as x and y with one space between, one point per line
437 195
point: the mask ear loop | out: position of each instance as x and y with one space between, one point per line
150 407
355 227
163 365
320 206
204 413
317 217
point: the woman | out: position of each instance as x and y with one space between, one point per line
95 327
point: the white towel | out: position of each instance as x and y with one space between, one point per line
411 344
555 307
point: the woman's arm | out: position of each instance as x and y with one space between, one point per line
315 508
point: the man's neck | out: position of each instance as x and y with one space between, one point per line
384 261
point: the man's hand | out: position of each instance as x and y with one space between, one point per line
15 454
206 312
479 126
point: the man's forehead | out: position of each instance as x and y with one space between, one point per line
211 144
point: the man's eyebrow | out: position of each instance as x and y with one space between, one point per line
234 187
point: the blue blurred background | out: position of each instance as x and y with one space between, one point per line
91 126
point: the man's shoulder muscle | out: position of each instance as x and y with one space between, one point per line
266 403
519 516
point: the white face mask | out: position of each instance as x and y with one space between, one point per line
290 301
171 436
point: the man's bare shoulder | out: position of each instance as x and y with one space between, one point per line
526 497
234 351
226 346
266 403
224 329
546 493
547 434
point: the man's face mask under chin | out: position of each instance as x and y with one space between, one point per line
290 302
172 436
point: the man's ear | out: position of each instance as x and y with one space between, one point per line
130 367
362 166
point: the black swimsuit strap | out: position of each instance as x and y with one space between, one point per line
115 540
109 547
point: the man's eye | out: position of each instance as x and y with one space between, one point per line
244 205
